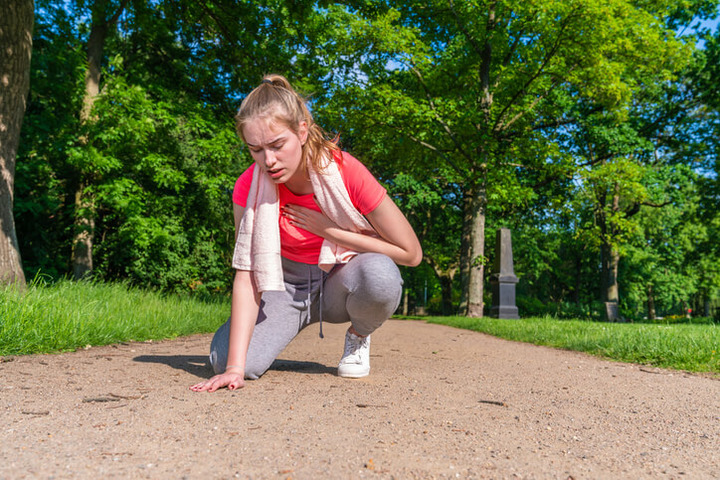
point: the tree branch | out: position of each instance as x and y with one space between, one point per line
422 143
523 90
464 30
115 17
437 116
636 207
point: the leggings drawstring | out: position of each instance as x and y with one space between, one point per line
322 281
309 299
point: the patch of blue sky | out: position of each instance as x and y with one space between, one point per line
701 26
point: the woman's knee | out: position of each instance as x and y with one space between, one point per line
374 293
255 369
255 365
219 348
379 278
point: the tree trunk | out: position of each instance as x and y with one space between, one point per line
610 257
82 259
706 306
446 281
650 303
472 247
465 252
16 25
406 296
610 260
578 281
84 223
474 261
445 277
611 287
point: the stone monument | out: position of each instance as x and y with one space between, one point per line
503 278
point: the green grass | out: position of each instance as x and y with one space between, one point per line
67 316
694 348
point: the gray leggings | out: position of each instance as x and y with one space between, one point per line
365 291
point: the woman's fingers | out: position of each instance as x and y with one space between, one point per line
308 219
232 381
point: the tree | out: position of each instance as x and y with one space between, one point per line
486 86
16 40
432 210
154 158
104 16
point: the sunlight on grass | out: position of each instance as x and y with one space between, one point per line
679 346
66 316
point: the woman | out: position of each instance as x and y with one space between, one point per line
317 238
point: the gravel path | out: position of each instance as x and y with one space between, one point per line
439 403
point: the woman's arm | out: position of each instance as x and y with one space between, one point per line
244 311
397 238
245 305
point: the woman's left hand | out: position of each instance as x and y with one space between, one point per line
311 220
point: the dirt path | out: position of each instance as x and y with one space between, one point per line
439 403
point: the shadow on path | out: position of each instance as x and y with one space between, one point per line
302 367
200 366
194 364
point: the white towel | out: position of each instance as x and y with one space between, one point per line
257 247
333 199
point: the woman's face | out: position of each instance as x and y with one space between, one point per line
276 149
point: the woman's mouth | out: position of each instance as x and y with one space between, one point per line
276 172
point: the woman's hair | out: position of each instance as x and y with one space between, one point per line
277 101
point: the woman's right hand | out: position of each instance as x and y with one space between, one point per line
231 380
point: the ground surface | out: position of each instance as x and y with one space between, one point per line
439 403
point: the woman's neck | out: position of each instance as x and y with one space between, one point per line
299 184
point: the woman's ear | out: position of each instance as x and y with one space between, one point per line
303 132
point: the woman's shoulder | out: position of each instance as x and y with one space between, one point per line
245 178
365 191
347 162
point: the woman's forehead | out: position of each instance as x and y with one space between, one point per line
260 131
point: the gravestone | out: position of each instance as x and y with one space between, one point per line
503 278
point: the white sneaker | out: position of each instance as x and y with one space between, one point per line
355 362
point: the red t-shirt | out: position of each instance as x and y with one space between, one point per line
300 245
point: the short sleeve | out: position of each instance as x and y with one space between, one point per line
365 191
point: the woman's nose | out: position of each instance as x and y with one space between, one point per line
270 158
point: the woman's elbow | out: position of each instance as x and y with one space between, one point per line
414 257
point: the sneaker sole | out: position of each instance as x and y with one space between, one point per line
353 375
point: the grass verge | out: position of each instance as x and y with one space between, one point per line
70 315
694 348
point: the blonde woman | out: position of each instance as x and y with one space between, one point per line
318 239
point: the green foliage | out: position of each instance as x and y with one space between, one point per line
162 171
66 316
585 127
164 197
504 101
159 156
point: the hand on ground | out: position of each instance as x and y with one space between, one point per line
231 380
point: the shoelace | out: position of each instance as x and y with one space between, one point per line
354 345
